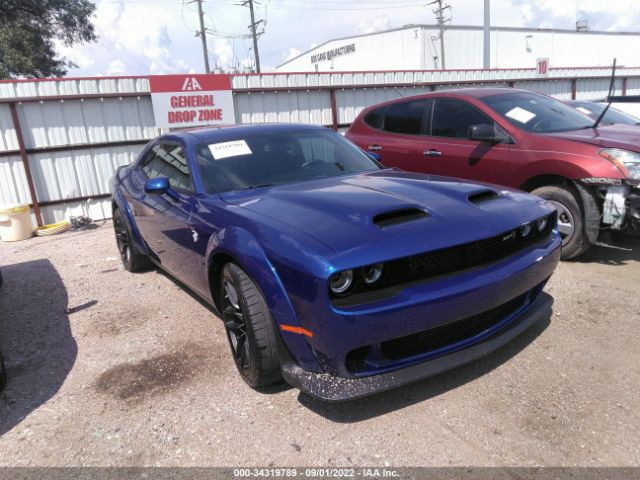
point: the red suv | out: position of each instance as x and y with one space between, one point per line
519 139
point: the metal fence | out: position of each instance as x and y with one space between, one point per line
62 139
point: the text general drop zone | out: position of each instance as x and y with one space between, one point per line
195 112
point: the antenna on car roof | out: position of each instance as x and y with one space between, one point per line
612 86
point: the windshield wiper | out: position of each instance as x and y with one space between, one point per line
611 91
264 185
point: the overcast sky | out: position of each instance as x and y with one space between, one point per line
158 36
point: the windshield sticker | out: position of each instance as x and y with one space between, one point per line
520 114
229 149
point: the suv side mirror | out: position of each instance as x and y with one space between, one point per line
158 186
483 132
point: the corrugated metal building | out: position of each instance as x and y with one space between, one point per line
417 47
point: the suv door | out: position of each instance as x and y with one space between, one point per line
399 126
446 150
163 220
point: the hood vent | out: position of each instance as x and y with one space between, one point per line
483 196
397 217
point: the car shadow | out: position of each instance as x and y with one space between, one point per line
35 338
366 408
621 251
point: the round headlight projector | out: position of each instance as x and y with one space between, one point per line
341 281
372 273
542 224
525 230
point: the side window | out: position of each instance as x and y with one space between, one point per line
375 118
452 118
169 160
405 117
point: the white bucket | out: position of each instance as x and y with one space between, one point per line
15 223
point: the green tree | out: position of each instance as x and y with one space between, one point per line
29 30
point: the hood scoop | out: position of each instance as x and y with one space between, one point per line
483 196
397 217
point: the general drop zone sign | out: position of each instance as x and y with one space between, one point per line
191 100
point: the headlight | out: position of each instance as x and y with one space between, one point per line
627 162
341 282
372 273
525 230
542 224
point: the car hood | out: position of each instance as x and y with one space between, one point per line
613 136
342 212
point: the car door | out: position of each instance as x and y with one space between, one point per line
446 150
163 220
397 139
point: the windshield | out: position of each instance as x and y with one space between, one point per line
537 113
613 116
253 160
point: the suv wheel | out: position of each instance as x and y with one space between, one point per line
570 219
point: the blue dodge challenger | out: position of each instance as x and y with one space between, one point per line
327 270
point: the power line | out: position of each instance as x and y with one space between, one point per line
439 13
203 37
254 32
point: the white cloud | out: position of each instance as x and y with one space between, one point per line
116 67
378 24
292 53
223 51
620 15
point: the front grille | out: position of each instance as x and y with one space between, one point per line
450 333
427 266
434 338
461 257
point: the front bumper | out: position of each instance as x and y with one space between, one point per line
332 388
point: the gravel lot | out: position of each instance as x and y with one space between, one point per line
112 368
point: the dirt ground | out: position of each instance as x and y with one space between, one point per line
112 368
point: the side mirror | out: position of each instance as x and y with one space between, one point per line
158 186
483 132
374 156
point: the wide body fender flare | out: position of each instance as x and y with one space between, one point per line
244 249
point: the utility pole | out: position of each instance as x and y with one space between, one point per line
203 36
254 33
439 13
486 57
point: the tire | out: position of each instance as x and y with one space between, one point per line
132 259
250 329
570 219
3 374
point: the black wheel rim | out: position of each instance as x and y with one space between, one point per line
122 238
234 320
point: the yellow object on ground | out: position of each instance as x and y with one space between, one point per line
15 223
52 229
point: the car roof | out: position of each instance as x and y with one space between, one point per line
477 92
224 132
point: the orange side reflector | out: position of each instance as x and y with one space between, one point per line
299 330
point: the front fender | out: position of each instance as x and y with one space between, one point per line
550 167
119 200
245 250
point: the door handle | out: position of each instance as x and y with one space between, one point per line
374 148
432 153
